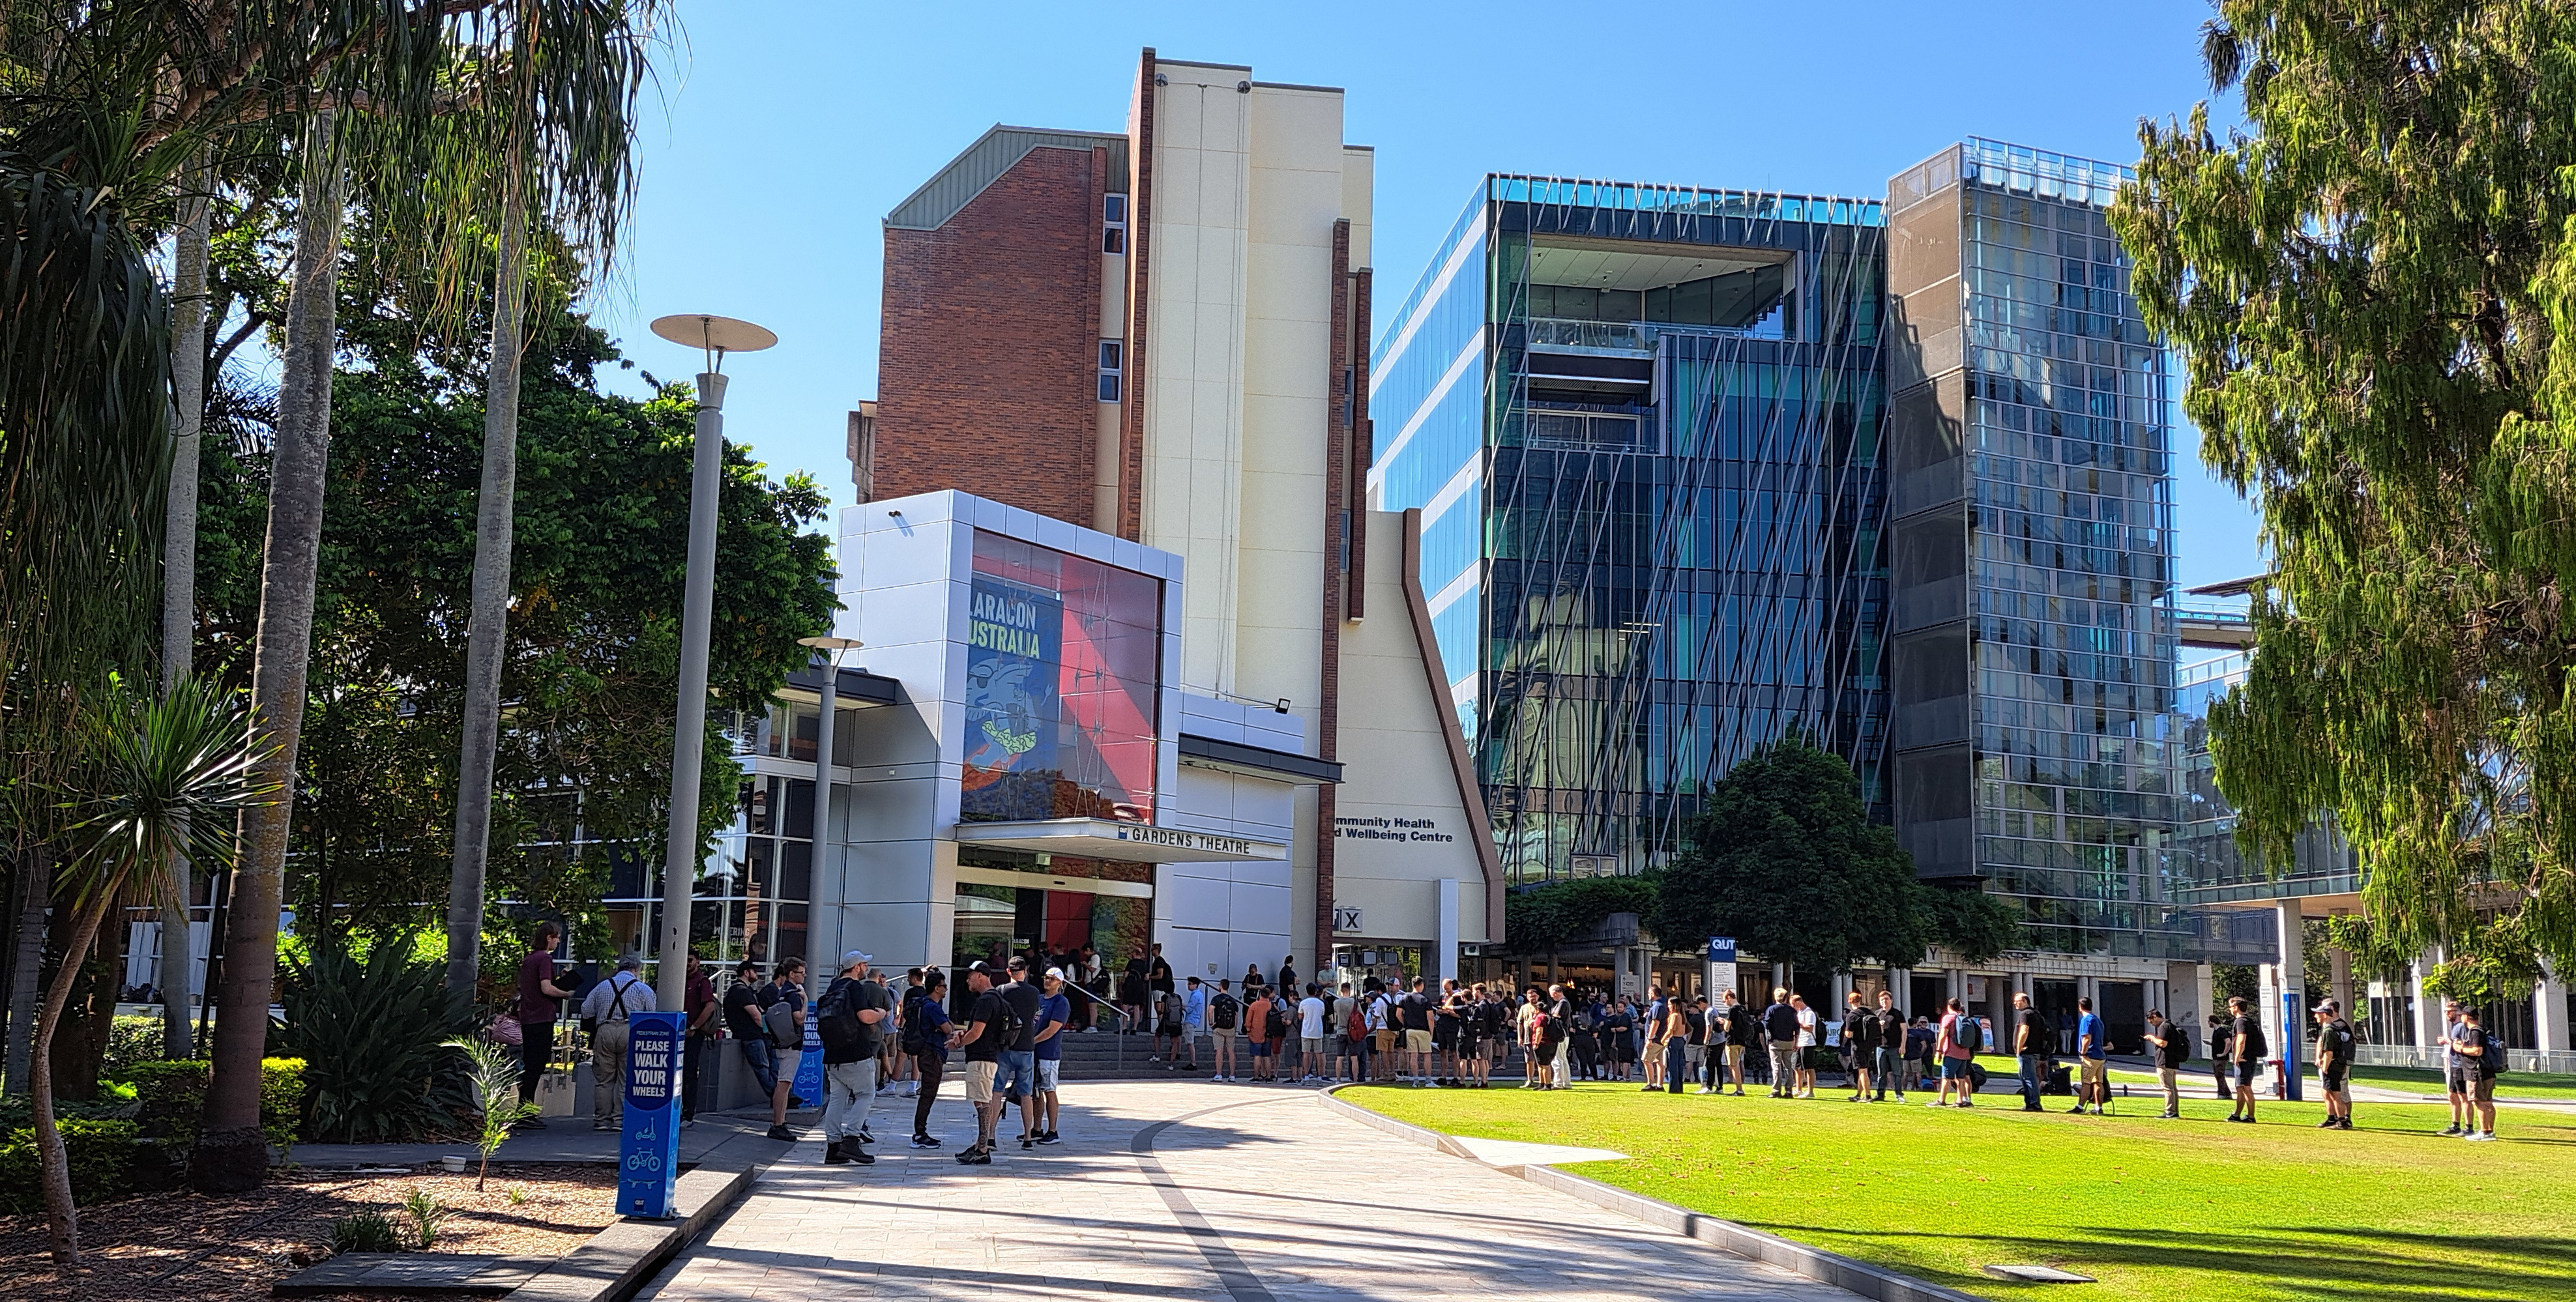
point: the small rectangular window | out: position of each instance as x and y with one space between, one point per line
1113 223
1111 357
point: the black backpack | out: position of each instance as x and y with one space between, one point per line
1005 1029
916 1037
837 1023
1275 1026
1221 1012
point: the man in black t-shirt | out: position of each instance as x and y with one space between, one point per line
2485 1061
1413 1019
854 1011
987 1031
1860 1044
1891 1049
1780 1025
1015 1079
2032 1039
2246 1047
2170 1045
2334 1065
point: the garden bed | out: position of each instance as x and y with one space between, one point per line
194 1246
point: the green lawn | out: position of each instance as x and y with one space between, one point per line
2189 1209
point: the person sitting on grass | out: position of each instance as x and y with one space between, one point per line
2247 1046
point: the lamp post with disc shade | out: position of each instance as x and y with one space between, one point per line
715 336
834 647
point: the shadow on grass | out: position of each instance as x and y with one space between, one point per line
2334 1261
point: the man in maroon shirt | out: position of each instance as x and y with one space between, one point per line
695 1063
538 1009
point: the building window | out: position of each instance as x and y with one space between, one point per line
1110 369
1113 223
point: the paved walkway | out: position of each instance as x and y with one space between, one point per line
1187 1190
727 1141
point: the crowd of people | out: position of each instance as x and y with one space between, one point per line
1007 1027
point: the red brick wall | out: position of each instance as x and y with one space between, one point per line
989 359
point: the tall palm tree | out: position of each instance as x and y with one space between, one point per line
562 82
153 780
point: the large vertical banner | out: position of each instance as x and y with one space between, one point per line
809 1061
1014 654
648 1154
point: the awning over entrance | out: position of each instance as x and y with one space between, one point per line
1102 838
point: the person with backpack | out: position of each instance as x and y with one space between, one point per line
1256 1031
1860 1044
2170 1043
991 1026
2334 1065
603 1014
743 1020
852 1017
2485 1056
782 1020
540 1004
2246 1049
1413 1012
1350 1040
926 1036
1225 1027
1170 1028
1445 1025
1960 1038
1619 1039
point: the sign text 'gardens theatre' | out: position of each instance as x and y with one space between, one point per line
1407 831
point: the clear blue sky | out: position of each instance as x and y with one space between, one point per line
786 131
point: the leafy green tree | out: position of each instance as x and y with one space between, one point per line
1541 918
1783 857
592 655
2371 288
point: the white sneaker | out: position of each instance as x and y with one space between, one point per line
2480 1136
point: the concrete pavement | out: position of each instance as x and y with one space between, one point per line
1189 1190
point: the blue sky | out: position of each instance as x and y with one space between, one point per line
785 132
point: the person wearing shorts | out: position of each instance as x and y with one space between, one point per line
2334 1065
1954 1056
2485 1055
1311 1032
1414 1012
2092 1048
981 1039
2248 1046
1055 1017
2455 1072
1350 1052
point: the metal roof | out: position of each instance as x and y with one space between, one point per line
983 163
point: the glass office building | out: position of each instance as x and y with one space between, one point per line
2032 634
1642 426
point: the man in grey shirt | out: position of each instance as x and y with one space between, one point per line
610 1001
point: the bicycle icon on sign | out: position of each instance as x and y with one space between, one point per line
644 1162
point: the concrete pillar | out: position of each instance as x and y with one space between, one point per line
2294 971
1842 994
1444 956
2549 1014
2339 979
1955 983
1900 983
2428 1006
2088 988
1779 976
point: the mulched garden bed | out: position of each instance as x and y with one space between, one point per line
165 1246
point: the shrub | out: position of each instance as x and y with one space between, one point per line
367 1231
172 1092
101 1154
130 1040
373 1035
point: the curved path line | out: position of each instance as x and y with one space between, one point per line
1240 1284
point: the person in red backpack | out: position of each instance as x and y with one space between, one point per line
1350 1043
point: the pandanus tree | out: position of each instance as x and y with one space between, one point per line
146 779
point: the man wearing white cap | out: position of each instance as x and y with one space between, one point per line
1053 1013
851 1019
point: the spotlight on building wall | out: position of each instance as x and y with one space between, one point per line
1282 707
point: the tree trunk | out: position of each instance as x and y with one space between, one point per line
231 1155
53 1167
27 960
485 639
179 556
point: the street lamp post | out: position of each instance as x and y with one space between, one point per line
830 703
715 336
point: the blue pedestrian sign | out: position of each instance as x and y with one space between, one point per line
809 1061
648 1154
1721 949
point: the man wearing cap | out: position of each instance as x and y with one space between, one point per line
982 1042
1055 1011
1015 1080
854 999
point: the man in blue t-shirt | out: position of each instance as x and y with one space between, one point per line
2092 1057
1054 1013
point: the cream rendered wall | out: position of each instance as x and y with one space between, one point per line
1192 490
1359 190
1397 779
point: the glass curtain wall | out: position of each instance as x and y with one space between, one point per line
2071 545
1651 540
